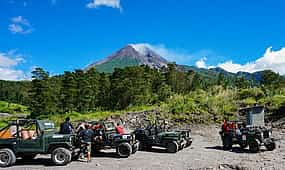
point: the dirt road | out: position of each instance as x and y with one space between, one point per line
205 153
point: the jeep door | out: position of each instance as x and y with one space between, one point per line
30 138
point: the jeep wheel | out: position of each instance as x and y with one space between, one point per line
227 142
124 150
254 146
7 157
270 146
61 156
172 147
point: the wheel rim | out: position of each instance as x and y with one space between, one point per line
4 158
60 157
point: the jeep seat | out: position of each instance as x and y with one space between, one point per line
5 134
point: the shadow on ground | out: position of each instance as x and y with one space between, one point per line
37 161
234 149
106 154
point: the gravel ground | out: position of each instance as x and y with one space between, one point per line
205 153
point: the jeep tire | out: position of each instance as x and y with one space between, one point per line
270 146
254 146
172 147
61 156
124 150
7 157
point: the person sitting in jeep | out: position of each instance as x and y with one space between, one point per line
66 127
119 129
98 132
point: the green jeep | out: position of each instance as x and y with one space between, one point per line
125 144
156 135
26 138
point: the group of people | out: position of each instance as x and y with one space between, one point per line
228 126
87 133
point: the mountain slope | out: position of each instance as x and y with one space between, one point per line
141 54
130 55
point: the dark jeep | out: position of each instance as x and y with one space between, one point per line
253 133
156 135
125 144
27 138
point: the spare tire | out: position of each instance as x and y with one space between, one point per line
124 150
172 147
61 156
7 157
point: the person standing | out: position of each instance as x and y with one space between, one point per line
66 127
87 135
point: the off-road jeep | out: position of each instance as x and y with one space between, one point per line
251 136
26 138
156 135
253 133
125 144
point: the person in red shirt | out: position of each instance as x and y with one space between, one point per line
119 129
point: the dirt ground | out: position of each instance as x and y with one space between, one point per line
205 153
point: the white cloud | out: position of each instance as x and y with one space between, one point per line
179 56
11 74
201 63
5 61
271 60
107 3
20 25
8 62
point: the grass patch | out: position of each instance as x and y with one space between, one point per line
13 108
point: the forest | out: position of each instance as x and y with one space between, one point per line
182 95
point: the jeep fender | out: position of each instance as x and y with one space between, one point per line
8 146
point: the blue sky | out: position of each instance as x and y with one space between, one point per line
61 35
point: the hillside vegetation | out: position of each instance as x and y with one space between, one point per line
181 96
12 109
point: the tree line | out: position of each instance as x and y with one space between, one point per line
89 90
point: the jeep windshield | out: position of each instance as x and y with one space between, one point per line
46 125
110 126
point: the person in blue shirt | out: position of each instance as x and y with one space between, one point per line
87 136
